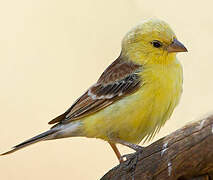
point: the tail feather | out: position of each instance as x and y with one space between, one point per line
33 140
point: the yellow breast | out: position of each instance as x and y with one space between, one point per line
139 115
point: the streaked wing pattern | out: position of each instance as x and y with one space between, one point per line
119 79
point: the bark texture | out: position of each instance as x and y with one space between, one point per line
186 154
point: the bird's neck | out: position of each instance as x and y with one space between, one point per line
142 58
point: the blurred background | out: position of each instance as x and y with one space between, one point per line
52 51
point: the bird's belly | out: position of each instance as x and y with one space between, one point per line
135 117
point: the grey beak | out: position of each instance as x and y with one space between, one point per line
176 46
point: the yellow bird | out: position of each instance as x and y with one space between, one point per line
133 97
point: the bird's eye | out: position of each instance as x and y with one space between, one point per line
156 44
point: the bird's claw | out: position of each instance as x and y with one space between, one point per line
126 157
130 162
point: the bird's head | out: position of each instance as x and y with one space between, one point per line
152 41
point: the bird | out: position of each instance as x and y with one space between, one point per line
133 97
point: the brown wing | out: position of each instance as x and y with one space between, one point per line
119 79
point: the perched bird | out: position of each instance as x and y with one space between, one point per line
133 97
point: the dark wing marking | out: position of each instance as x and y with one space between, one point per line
119 79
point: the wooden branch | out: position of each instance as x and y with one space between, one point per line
186 154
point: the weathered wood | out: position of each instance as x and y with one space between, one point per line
186 154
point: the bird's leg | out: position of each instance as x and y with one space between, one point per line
130 145
135 147
130 159
132 156
116 151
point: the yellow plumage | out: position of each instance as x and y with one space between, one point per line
141 114
134 96
145 111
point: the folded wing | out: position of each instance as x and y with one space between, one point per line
119 79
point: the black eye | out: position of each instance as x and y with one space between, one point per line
156 44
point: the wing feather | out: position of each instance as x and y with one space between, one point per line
119 79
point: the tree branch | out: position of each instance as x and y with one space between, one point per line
186 154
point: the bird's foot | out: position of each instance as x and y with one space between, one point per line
130 161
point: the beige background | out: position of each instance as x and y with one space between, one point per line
51 51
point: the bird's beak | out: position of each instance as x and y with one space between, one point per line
176 46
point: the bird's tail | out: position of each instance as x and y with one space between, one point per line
43 136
